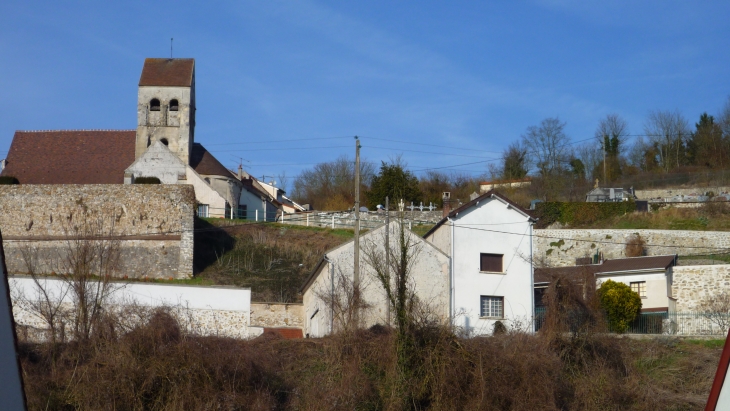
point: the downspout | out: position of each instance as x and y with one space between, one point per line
532 278
451 275
331 268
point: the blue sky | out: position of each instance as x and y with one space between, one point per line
284 85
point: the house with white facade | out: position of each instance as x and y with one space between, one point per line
326 290
650 277
489 241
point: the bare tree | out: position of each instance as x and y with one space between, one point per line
548 146
611 135
724 118
331 185
668 132
716 309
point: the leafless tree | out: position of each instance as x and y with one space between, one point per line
611 135
548 146
724 118
668 132
716 308
331 185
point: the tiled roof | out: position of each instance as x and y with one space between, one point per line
660 262
70 156
167 72
204 163
287 333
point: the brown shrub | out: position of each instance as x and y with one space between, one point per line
635 246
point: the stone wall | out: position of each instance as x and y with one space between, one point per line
151 224
276 315
219 311
672 192
562 247
694 283
368 220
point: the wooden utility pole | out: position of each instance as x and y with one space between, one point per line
356 263
387 255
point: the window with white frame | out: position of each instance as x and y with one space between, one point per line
203 210
492 306
639 287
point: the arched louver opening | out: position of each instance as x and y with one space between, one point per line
154 105
164 141
173 105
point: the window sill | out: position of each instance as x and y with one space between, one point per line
492 272
493 318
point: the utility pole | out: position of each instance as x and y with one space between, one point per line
356 263
605 138
387 256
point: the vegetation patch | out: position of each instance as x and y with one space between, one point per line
579 213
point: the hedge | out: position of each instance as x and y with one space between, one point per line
576 214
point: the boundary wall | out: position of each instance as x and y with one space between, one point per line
152 225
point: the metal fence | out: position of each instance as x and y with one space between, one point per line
663 323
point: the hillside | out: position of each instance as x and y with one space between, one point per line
272 259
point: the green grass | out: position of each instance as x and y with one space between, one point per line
422 229
707 343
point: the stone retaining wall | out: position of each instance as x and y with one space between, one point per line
276 315
151 224
562 247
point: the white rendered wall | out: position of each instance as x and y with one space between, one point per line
657 289
492 227
429 280
253 204
205 194
158 161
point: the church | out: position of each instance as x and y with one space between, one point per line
162 146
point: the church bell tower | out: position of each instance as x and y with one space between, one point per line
166 106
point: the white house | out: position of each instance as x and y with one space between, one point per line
650 277
489 240
325 291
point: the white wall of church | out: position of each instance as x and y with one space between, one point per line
158 161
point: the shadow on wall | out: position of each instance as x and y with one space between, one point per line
210 242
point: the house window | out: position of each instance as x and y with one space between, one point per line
639 287
173 105
492 306
154 105
202 210
242 211
490 262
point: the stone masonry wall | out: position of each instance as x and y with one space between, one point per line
153 225
562 247
277 315
694 283
671 192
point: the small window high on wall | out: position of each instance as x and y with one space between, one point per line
490 262
173 105
154 105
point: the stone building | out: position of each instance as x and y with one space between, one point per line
163 146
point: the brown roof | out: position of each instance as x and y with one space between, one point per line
473 202
660 262
204 163
638 263
70 156
167 72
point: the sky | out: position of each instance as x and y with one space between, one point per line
281 86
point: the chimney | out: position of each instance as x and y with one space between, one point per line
446 197
240 172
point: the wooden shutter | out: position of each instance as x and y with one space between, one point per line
491 262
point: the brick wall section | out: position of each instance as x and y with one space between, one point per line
562 247
272 315
154 224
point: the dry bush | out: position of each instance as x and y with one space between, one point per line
635 246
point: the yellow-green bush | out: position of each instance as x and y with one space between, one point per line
620 304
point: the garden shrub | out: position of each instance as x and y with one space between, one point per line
620 304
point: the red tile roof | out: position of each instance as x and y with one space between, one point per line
204 163
167 72
70 156
287 333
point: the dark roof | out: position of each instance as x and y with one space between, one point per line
167 72
287 333
472 203
638 263
70 156
204 163
660 262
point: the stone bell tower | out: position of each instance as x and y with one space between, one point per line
166 106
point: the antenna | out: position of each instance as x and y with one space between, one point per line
170 48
